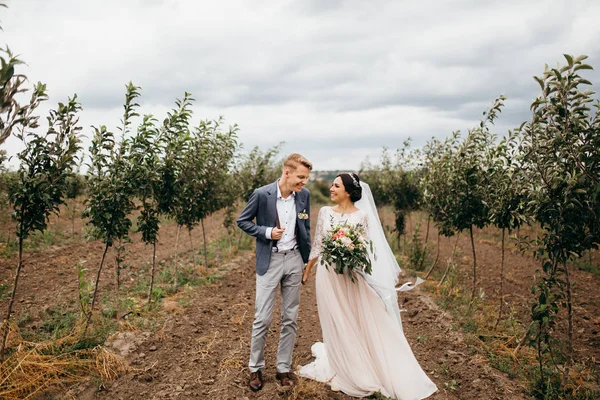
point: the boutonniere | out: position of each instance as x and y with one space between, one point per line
303 214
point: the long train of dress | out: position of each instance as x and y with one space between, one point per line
364 349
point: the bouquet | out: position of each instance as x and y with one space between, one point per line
345 246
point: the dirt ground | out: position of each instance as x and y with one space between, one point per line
202 349
519 278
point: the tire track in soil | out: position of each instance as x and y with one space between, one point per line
202 350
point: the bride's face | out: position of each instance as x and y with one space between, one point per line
338 191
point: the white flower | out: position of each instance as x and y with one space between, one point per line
346 241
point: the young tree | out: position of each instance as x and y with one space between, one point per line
110 188
45 164
256 169
145 155
395 181
75 188
251 171
12 114
127 169
175 134
505 195
562 158
469 179
436 187
208 163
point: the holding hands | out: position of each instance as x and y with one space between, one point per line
306 272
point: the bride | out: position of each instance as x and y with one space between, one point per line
364 349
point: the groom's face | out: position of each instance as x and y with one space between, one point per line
298 177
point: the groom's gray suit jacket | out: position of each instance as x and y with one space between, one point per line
262 205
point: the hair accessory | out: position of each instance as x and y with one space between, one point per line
354 180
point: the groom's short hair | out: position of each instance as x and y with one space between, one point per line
293 160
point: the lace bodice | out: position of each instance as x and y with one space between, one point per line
328 218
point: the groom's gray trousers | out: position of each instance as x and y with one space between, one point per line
285 271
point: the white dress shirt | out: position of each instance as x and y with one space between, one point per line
286 209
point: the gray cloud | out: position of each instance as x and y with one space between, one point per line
317 74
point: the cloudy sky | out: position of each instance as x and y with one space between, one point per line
336 80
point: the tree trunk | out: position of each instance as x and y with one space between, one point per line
427 233
6 323
474 267
192 245
152 274
450 261
448 265
569 362
424 254
176 279
240 240
436 258
204 240
540 356
501 281
89 318
118 274
73 221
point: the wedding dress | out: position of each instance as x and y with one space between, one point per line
364 349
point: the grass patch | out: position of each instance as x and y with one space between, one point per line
587 263
36 242
476 323
5 292
57 322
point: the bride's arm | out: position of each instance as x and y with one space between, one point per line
365 223
308 268
316 247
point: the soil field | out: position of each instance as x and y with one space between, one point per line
201 346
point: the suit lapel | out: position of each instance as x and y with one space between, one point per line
300 204
272 203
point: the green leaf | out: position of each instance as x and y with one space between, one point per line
582 66
569 59
540 81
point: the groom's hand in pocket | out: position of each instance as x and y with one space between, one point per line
277 233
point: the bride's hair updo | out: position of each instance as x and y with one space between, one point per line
351 183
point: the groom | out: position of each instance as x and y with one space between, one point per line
282 232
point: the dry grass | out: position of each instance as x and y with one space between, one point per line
206 343
33 368
308 389
239 319
235 361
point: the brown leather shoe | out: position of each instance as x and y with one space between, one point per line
256 381
286 378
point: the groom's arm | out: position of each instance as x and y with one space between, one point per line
245 220
308 220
